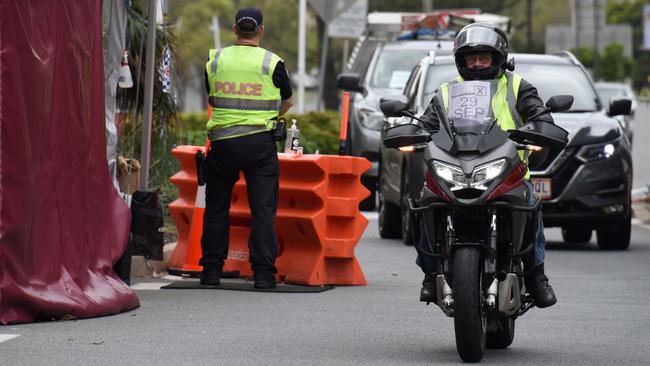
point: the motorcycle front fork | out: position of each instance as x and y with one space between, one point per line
444 291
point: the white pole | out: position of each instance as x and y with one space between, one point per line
145 153
323 54
214 27
302 16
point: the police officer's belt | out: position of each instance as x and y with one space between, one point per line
236 130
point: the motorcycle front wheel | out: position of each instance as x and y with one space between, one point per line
469 314
504 335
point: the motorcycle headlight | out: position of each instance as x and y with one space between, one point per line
371 118
486 172
597 152
450 173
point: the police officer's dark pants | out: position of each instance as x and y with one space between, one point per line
255 155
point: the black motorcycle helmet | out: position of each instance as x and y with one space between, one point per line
481 38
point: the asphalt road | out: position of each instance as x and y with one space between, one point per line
602 318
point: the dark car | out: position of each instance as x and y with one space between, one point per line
586 186
378 69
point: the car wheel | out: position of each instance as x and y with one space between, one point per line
368 204
616 236
410 227
388 220
576 235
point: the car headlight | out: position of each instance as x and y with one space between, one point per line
485 173
597 152
371 118
450 173
479 179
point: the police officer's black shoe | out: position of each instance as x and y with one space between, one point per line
264 281
211 275
428 292
538 287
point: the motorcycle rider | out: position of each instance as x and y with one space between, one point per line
481 52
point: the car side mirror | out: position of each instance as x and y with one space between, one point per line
350 82
620 107
393 108
560 103
405 135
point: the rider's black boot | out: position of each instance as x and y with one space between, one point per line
428 292
538 287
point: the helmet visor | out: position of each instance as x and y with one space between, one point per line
480 37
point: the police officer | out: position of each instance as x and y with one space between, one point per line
248 87
481 52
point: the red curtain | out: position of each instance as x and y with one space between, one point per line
62 223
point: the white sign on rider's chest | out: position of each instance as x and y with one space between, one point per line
469 100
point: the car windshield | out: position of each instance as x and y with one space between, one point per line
394 67
549 80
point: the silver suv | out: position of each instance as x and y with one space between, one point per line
378 69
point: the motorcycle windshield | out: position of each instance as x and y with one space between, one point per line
469 135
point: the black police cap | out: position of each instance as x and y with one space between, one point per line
248 19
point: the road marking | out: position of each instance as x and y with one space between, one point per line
148 285
6 337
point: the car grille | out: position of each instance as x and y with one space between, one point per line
563 175
551 165
569 207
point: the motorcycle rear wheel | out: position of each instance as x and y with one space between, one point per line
469 314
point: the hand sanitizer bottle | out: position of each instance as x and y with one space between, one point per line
293 139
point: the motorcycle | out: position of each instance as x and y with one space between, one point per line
474 206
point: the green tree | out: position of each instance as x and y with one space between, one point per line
192 20
586 55
631 12
614 66
166 130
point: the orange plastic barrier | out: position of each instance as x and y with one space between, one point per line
318 223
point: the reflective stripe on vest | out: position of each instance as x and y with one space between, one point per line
266 64
244 104
242 92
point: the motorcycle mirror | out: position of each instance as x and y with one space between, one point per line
559 103
393 108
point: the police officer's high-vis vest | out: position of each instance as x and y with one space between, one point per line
495 98
242 95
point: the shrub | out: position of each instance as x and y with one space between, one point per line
319 131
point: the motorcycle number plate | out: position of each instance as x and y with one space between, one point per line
543 188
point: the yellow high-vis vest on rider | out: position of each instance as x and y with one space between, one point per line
504 105
242 95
